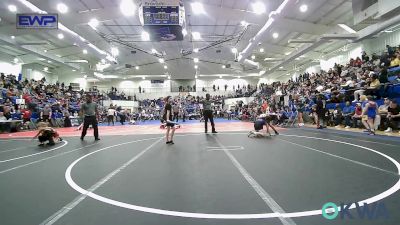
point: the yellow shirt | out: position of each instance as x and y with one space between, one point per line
375 84
395 62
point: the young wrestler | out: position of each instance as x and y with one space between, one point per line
262 120
47 133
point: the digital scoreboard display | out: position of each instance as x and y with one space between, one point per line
161 15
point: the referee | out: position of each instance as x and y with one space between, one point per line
208 114
90 113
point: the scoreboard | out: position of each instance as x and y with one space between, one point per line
163 19
161 15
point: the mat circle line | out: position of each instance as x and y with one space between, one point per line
370 200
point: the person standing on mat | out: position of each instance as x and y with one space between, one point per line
208 114
167 117
89 113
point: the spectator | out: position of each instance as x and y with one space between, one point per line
347 113
393 116
357 115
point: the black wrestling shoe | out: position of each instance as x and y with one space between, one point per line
41 145
97 139
51 143
276 133
205 132
81 138
214 132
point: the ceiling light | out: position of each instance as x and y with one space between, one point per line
85 76
145 36
13 37
127 7
220 77
234 50
45 50
62 8
143 77
287 53
46 68
48 61
12 8
73 70
85 52
303 8
197 8
281 67
244 23
261 50
60 36
195 77
196 60
165 67
253 57
196 50
137 67
93 23
196 66
196 35
297 58
223 66
258 8
16 60
169 77
114 51
161 60
239 77
59 56
184 32
275 35
153 51
347 28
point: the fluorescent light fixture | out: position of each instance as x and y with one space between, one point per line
262 72
195 77
258 8
244 23
45 50
114 51
48 61
127 7
281 67
184 32
196 35
297 59
85 76
223 66
347 28
154 51
137 67
287 53
169 77
60 36
165 67
220 76
196 66
46 68
62 8
261 50
161 60
143 77
84 51
303 8
59 56
239 77
73 70
196 60
12 8
275 35
93 23
16 60
145 36
196 50
253 57
234 50
13 37
197 8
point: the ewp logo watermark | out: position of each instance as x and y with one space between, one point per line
37 21
374 211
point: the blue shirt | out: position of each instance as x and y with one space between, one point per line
348 109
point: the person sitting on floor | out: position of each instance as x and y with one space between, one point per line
47 133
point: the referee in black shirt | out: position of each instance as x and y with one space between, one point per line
89 113
208 114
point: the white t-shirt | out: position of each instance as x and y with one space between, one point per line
111 112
